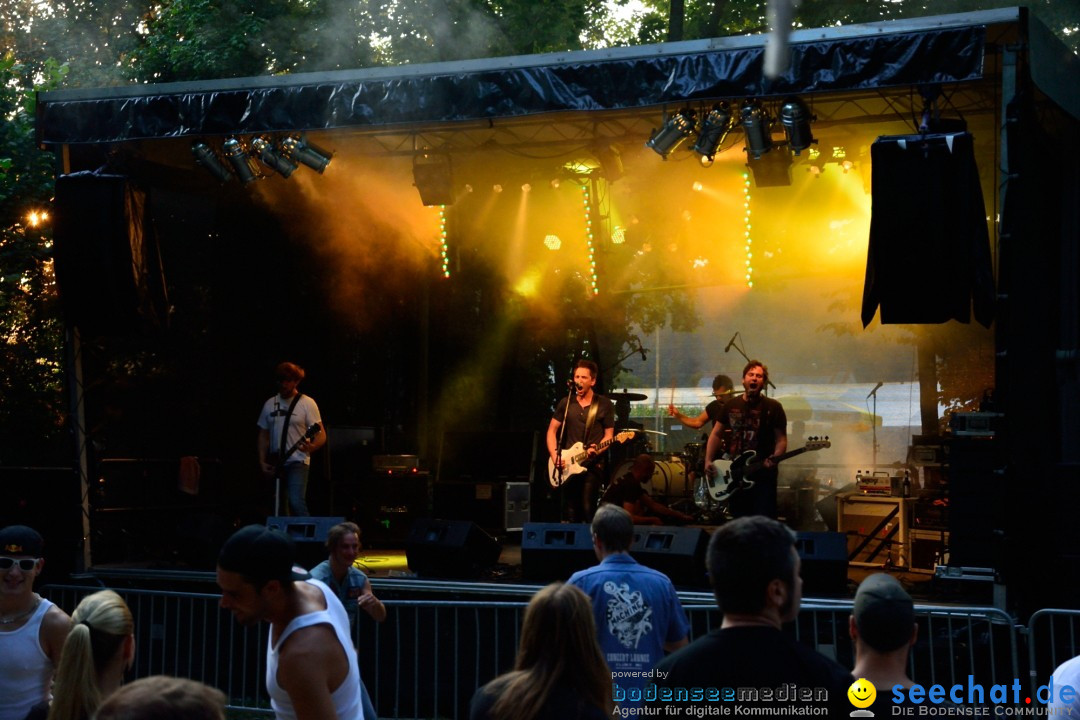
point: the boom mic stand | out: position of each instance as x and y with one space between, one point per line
873 423
556 473
745 357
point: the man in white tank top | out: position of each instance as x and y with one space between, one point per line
311 669
32 629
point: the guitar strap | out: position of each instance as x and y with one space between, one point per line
593 409
285 427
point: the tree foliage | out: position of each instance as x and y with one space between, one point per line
31 332
87 43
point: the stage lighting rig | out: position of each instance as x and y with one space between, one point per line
209 159
237 156
796 117
676 128
756 123
714 128
271 158
298 148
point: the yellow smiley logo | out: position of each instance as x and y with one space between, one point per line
862 693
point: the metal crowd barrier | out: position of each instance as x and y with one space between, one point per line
429 656
1053 636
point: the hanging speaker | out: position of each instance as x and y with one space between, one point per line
108 267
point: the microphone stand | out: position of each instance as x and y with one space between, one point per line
873 426
873 431
747 359
556 474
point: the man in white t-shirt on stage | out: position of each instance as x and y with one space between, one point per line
285 422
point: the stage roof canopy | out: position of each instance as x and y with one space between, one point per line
902 54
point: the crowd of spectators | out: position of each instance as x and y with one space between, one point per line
613 639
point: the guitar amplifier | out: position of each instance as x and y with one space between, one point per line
393 464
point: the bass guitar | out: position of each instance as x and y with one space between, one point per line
574 457
731 475
279 462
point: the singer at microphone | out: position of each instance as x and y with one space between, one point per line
582 426
768 441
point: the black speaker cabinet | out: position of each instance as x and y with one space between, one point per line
498 507
555 551
824 562
678 552
450 549
387 505
107 263
309 534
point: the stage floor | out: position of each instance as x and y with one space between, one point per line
387 564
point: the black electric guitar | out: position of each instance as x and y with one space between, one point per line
731 475
574 457
278 461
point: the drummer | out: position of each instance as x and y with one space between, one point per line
721 392
627 493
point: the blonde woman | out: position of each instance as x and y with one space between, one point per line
560 672
97 652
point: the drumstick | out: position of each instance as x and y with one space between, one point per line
672 401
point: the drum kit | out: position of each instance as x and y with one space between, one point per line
678 478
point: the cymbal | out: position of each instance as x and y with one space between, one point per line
628 396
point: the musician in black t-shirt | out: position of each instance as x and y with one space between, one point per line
588 426
751 421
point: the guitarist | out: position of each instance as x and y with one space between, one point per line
590 420
283 422
751 421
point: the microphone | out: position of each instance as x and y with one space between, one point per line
874 391
731 342
642 351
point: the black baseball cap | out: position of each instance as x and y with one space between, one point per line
884 612
260 555
21 540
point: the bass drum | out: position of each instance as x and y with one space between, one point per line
668 479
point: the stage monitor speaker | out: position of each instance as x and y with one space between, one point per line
309 534
678 552
450 549
824 562
555 551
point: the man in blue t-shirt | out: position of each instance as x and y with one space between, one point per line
638 615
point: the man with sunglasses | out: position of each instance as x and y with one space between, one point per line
32 629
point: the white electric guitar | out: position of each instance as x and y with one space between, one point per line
730 476
574 457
